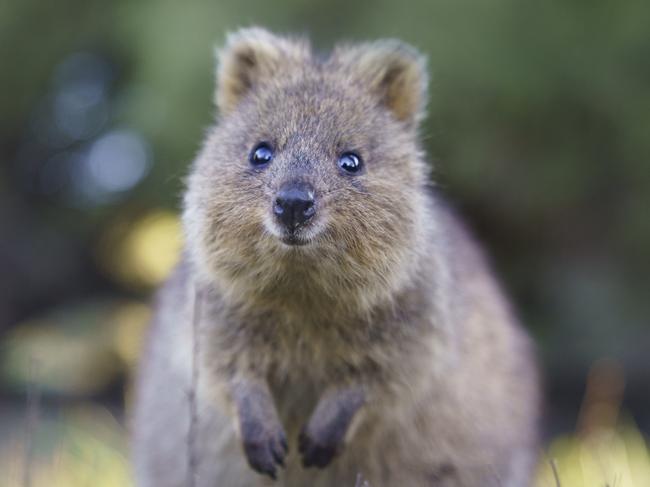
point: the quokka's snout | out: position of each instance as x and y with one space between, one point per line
294 205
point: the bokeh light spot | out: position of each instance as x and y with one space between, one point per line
141 253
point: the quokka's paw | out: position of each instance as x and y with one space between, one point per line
265 448
318 448
322 439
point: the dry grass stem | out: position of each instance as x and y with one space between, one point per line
192 458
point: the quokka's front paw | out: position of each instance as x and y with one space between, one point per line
324 435
318 447
265 447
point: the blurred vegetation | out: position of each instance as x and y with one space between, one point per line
539 130
84 447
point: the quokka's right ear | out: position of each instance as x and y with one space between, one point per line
252 56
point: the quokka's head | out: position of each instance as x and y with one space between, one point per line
313 159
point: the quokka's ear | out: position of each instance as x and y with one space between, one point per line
251 56
393 71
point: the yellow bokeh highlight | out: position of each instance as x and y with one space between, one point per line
130 323
57 360
75 351
617 457
141 252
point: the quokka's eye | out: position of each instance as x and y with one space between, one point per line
261 155
350 162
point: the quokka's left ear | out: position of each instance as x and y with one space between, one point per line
250 57
394 71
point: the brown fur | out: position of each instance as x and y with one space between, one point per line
382 347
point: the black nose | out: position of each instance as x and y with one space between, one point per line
294 205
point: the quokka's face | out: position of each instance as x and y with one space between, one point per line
313 161
309 154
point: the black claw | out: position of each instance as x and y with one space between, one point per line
315 455
265 466
278 456
263 456
323 456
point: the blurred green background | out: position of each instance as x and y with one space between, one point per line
538 128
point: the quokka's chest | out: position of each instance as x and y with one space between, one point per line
313 351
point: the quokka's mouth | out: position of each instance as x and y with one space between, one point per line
294 240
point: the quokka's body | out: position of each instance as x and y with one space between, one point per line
345 322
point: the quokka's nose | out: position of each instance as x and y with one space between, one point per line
294 205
